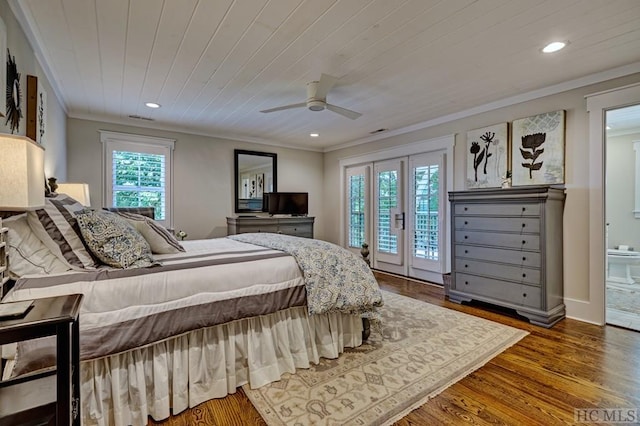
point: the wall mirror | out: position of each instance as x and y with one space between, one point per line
255 173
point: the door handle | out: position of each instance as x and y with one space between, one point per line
399 217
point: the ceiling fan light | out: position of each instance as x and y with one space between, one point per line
315 105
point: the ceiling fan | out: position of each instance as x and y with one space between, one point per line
317 98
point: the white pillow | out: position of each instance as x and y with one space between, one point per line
57 228
27 254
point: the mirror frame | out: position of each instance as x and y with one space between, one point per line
274 166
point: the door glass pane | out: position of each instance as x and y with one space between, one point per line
356 210
387 199
426 181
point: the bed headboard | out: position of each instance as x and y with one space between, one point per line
145 211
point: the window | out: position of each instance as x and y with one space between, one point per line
387 199
357 204
426 194
138 172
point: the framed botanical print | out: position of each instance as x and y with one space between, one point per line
487 156
537 154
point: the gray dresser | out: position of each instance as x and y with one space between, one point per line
507 250
299 226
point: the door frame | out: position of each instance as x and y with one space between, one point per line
593 309
444 143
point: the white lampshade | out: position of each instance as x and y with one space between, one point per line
21 173
77 191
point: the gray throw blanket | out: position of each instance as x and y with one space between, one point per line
336 279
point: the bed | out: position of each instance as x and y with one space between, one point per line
196 324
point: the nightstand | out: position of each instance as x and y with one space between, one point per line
52 316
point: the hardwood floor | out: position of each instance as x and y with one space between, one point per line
538 381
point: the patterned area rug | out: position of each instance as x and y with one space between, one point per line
624 297
423 349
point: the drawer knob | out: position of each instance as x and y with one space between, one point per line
524 294
466 223
466 283
466 266
523 225
465 209
465 237
466 251
524 258
524 241
524 208
524 275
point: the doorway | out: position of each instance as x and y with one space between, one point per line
622 215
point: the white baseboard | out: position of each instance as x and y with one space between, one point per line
582 310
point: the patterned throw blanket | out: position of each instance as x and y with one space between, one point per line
335 278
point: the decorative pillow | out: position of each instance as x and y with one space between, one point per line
160 240
57 228
27 254
113 240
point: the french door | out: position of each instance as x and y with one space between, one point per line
407 208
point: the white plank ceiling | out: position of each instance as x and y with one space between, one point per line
214 64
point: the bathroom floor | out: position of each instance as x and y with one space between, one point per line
623 305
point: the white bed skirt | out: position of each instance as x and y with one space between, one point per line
187 370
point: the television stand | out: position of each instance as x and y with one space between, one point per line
298 226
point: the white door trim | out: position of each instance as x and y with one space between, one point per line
593 309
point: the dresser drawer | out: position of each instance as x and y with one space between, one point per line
494 239
301 230
518 294
247 229
520 274
497 209
516 257
507 224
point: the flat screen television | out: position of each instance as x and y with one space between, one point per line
290 203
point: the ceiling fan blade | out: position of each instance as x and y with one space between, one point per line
325 84
303 104
343 111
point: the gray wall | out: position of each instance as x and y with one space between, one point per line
576 212
203 174
624 228
55 160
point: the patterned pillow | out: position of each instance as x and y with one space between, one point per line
160 240
113 240
56 226
27 254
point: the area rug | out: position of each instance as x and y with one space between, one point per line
624 297
420 350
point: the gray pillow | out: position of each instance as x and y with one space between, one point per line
55 225
160 240
113 240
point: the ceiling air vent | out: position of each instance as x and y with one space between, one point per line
138 117
378 131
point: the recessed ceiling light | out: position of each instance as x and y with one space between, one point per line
152 105
314 135
554 47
